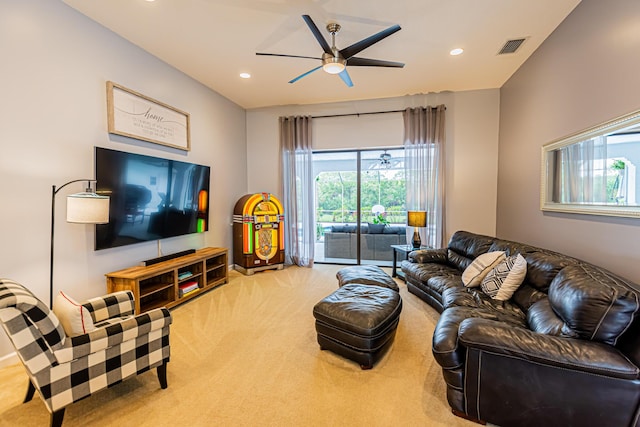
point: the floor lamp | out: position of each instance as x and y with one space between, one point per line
416 219
82 208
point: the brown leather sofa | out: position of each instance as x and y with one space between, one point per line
563 351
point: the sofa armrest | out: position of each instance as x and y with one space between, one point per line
422 256
114 333
566 353
116 304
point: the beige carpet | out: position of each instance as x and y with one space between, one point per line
245 354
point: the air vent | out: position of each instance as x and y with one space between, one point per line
511 46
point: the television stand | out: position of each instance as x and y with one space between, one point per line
172 282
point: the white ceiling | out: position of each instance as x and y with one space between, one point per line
213 41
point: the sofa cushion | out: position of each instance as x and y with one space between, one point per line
542 264
376 228
346 228
461 262
464 247
527 295
475 298
476 271
425 271
503 280
511 248
394 230
592 303
543 320
423 256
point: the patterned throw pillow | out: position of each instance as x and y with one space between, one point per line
501 282
74 318
472 276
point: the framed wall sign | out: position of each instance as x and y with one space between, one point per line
137 116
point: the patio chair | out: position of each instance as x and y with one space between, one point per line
66 369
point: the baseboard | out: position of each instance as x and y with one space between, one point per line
9 359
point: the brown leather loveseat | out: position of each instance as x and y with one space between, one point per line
564 350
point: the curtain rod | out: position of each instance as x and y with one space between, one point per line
358 114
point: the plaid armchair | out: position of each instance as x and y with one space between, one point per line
66 369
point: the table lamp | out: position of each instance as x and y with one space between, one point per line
416 219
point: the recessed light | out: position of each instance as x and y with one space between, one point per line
245 75
456 52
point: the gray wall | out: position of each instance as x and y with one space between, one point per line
55 64
585 73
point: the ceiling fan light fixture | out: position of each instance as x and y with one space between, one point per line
333 68
333 64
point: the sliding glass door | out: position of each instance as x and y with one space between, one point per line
336 201
360 205
383 213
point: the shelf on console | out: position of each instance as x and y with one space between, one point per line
157 285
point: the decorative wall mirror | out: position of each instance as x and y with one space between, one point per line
596 171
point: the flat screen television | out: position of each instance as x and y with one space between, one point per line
151 197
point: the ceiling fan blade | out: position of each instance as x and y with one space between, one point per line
318 35
358 47
346 78
366 62
287 56
305 74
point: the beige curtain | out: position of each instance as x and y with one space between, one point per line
296 173
424 139
582 167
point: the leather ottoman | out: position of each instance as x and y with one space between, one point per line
366 275
358 322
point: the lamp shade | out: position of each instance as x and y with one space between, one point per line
87 208
417 218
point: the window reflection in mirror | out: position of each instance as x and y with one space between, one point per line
595 171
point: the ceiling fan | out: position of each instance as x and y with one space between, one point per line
385 160
335 61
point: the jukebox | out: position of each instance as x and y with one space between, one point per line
258 233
